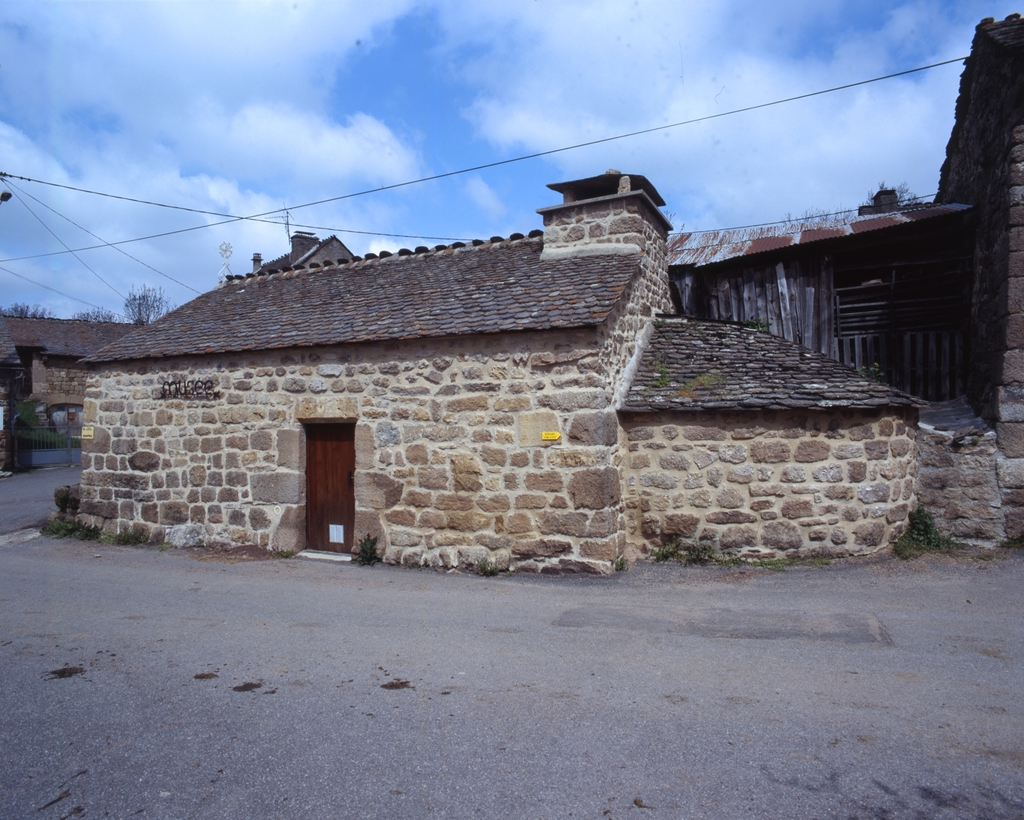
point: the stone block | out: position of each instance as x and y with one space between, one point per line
873 493
869 533
540 547
375 491
532 425
729 517
173 512
197 475
704 432
738 537
594 489
781 535
1010 472
99 443
431 519
186 535
797 508
876 450
828 473
291 449
569 401
812 450
730 498
603 550
144 461
432 478
278 487
770 452
674 461
548 481
567 523
599 428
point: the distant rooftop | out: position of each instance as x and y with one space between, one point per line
708 247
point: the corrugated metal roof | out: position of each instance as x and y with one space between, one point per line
709 247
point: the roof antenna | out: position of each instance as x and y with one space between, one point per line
288 224
225 268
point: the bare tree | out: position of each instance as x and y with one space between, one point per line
145 305
98 315
20 310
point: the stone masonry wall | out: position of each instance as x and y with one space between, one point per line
959 484
6 453
765 483
450 464
984 167
63 379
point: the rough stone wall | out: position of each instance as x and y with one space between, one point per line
959 483
765 483
984 167
451 466
59 379
6 453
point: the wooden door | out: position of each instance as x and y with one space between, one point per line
330 486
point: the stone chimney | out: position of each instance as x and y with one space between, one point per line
610 213
257 262
884 202
613 213
302 243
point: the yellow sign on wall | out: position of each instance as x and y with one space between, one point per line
87 432
550 435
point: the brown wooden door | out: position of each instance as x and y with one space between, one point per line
330 486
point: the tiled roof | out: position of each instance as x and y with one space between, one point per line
708 247
65 337
8 354
690 365
1008 32
497 287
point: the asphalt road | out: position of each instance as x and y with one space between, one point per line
298 689
26 499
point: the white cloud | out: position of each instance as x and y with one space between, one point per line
481 195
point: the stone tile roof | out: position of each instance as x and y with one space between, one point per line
692 365
1009 32
65 337
496 287
709 247
8 353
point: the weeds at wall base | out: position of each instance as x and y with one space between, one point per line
921 536
704 552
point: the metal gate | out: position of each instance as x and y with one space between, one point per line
49 446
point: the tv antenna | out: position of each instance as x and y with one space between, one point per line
225 253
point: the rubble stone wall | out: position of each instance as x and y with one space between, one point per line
60 379
764 483
959 484
451 466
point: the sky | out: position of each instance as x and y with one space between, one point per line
255 107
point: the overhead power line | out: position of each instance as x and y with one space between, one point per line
228 218
105 244
47 287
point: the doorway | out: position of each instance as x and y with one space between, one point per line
330 486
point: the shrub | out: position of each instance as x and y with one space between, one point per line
621 564
65 499
695 552
921 537
486 567
63 528
132 536
367 554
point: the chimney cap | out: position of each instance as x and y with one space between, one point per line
605 184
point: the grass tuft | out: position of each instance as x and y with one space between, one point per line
65 528
367 552
132 536
921 536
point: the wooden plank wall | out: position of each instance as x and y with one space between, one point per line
795 299
928 364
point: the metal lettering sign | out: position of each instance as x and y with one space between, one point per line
88 432
550 435
191 389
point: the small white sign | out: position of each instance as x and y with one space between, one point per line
337 533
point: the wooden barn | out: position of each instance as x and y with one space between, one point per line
885 291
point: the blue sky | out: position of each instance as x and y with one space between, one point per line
244 108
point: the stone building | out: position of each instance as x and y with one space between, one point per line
462 404
51 352
10 371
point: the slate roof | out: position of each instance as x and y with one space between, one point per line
496 287
8 353
318 251
65 337
709 247
695 365
1008 33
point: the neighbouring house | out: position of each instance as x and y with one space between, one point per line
10 370
307 250
462 404
50 351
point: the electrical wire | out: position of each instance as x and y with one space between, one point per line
498 163
119 250
47 287
62 242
